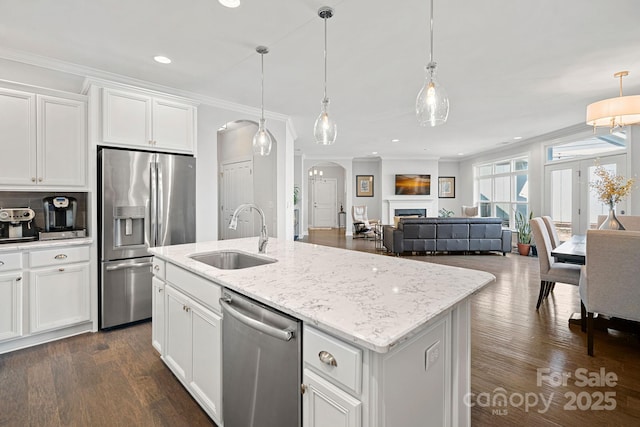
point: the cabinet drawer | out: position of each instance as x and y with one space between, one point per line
63 255
158 268
206 292
319 350
10 262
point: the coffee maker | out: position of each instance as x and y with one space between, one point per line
59 213
15 225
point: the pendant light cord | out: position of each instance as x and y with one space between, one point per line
325 57
262 86
431 29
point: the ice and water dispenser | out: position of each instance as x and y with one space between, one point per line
129 226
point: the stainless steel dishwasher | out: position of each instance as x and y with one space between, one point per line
261 365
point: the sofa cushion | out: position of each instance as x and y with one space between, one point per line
419 231
485 231
452 231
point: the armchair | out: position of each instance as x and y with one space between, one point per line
609 280
362 225
469 211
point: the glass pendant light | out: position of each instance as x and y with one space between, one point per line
325 129
262 139
432 103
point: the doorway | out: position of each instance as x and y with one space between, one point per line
571 203
237 188
324 202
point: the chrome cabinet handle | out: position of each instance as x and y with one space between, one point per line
18 279
60 256
61 269
1 263
156 267
33 179
327 358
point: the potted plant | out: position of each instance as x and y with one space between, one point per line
523 226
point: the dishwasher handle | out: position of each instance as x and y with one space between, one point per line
281 334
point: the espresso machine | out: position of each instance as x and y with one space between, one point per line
16 225
60 218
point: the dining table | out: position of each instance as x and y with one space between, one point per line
572 251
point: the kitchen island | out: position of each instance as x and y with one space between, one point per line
403 326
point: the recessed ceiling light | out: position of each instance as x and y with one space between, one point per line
517 137
460 154
229 3
374 152
162 59
395 140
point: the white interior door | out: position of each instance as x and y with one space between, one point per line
237 188
325 202
572 204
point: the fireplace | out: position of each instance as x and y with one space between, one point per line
426 206
410 212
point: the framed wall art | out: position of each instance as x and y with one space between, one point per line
446 187
364 185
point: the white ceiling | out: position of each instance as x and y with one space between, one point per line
511 67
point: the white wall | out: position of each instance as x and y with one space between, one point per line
210 119
374 204
449 168
389 170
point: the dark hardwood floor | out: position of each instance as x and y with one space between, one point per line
117 379
111 378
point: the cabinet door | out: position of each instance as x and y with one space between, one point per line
59 296
126 118
173 125
10 305
325 405
17 138
206 375
157 314
177 351
62 141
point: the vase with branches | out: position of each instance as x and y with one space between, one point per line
611 189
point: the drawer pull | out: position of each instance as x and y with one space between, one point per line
18 279
60 256
156 267
327 358
61 269
1 263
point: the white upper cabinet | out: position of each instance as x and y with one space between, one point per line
43 140
139 120
17 137
62 141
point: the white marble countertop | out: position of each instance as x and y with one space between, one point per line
375 301
44 244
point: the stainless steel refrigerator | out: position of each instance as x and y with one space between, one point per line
146 199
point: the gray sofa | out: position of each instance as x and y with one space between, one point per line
447 235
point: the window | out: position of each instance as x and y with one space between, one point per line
502 189
592 146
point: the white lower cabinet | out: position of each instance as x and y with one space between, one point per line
59 296
325 405
193 349
10 305
157 314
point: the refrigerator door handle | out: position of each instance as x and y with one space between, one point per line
160 208
153 184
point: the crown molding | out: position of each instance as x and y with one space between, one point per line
105 77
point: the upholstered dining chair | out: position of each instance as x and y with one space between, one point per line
553 233
609 283
550 270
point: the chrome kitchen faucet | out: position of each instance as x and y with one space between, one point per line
233 224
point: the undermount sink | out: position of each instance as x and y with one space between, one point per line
231 260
